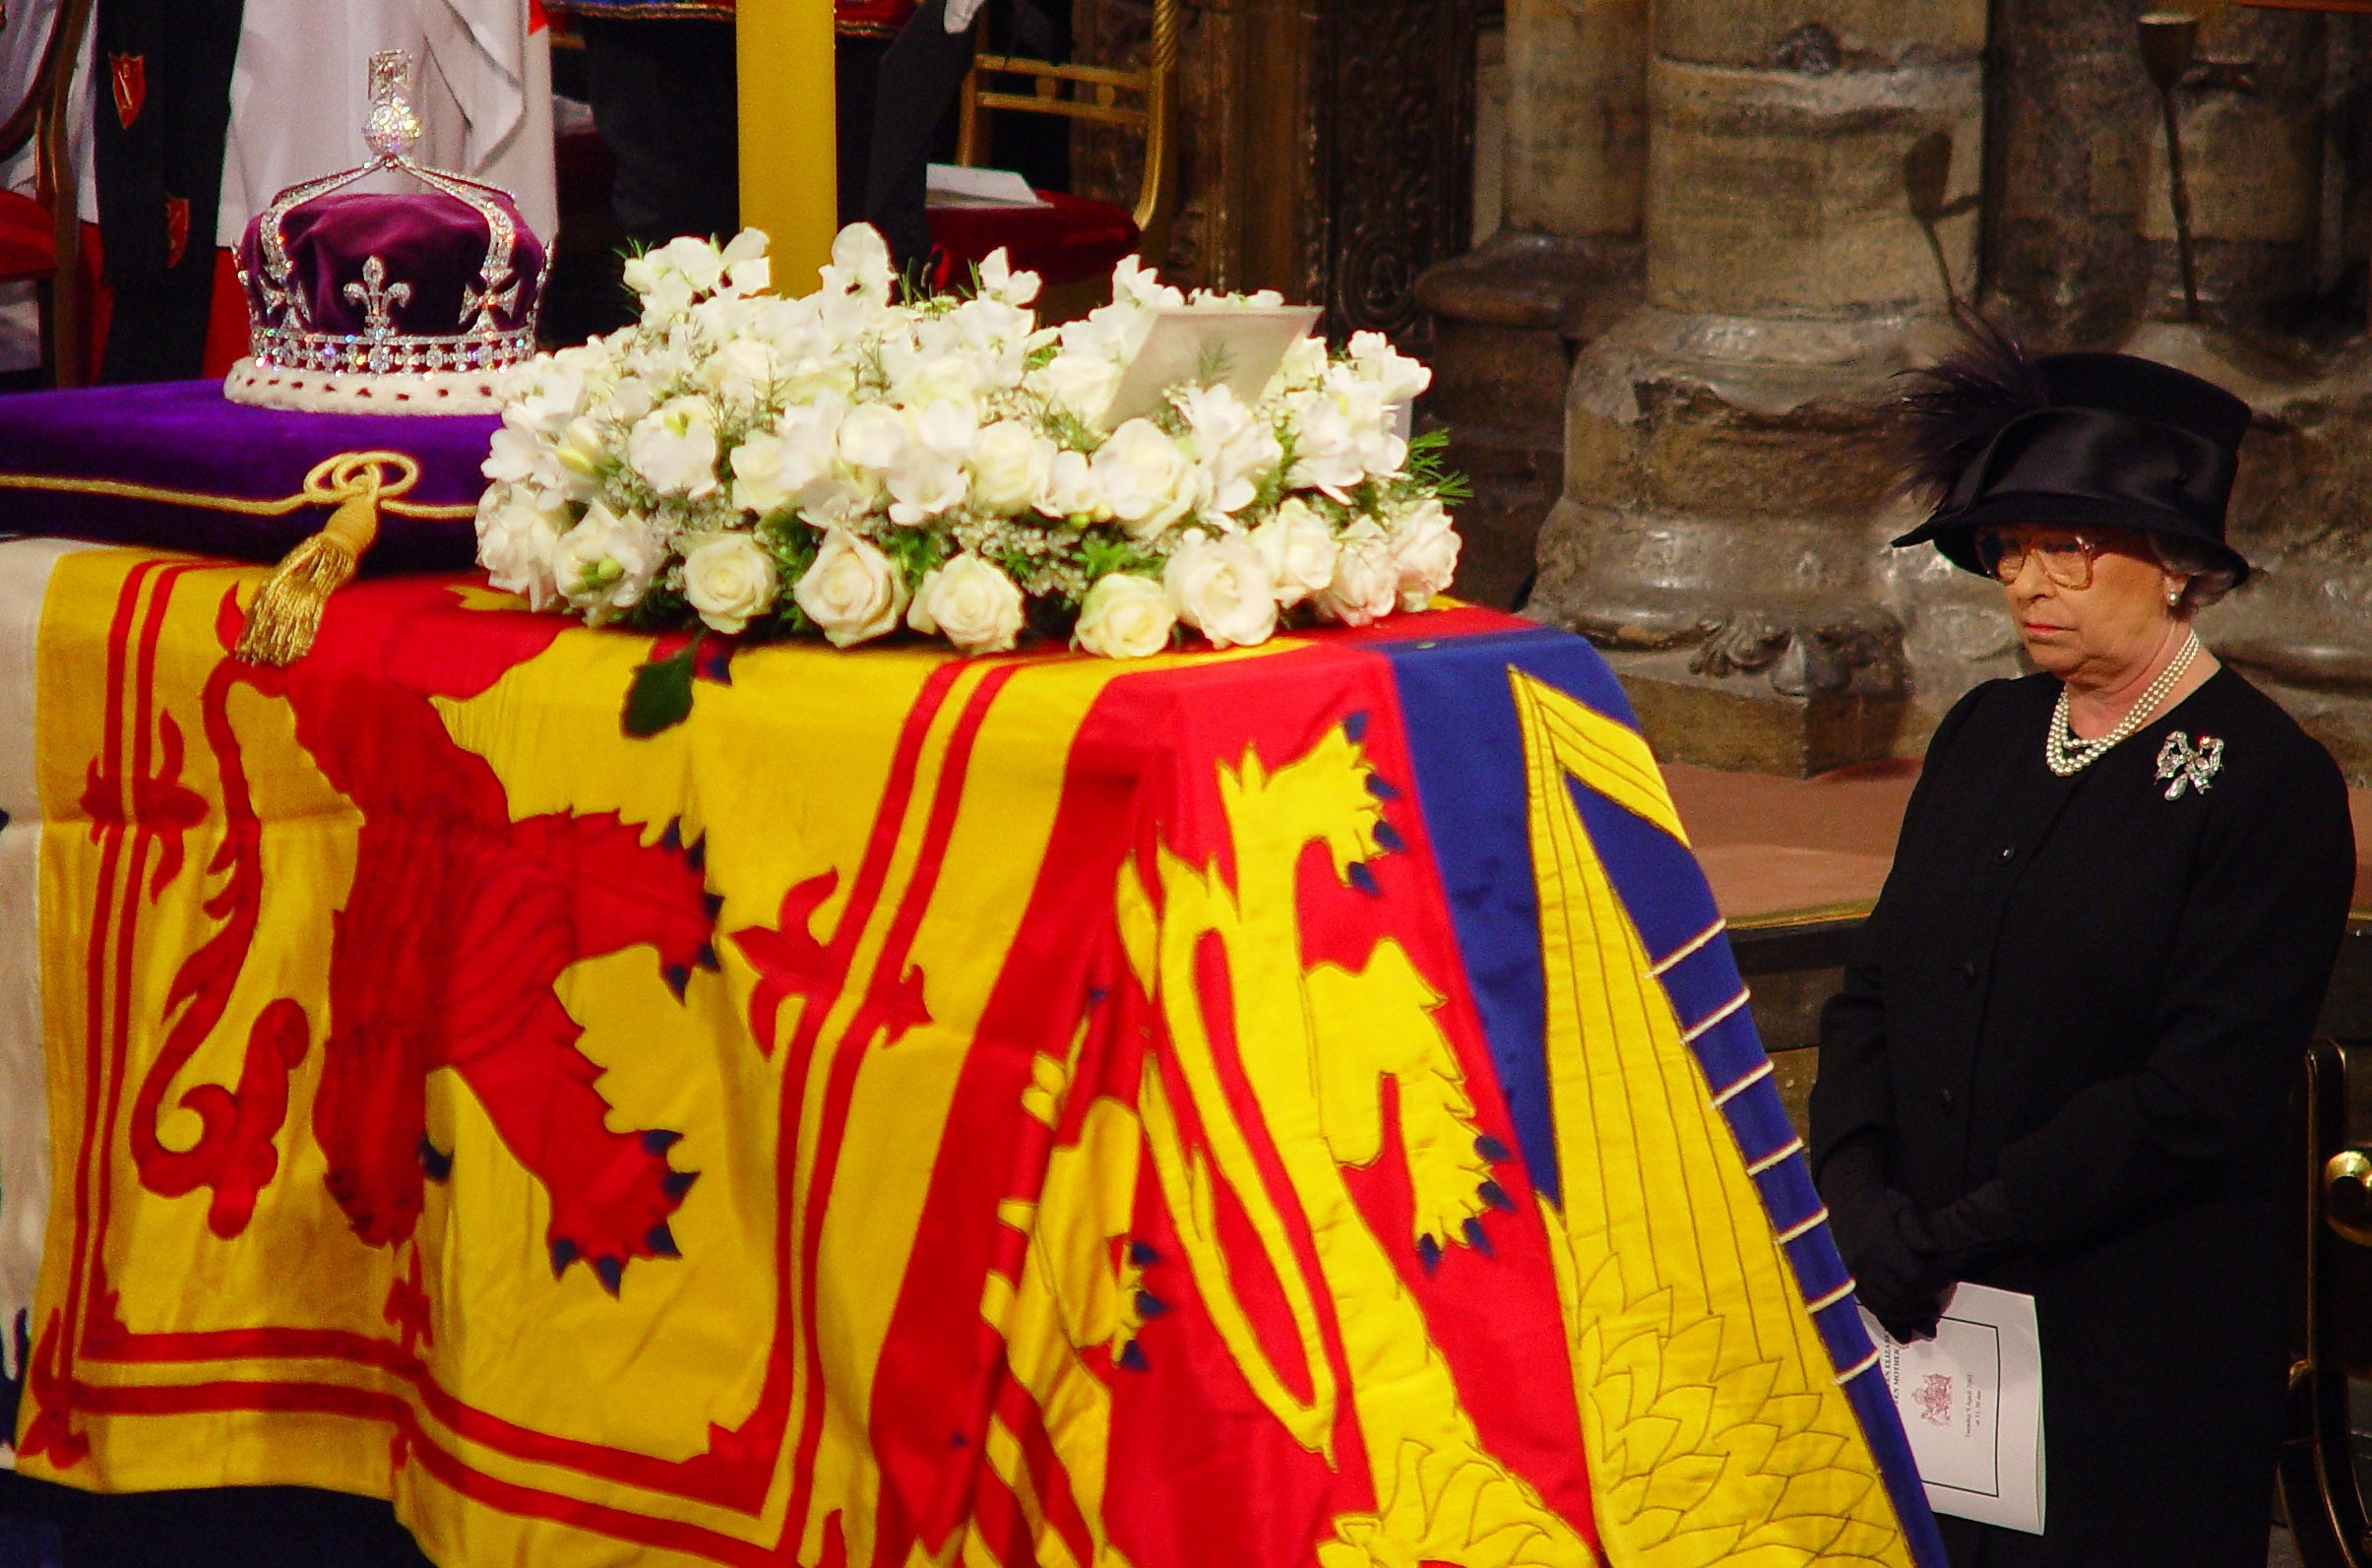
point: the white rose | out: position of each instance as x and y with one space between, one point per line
1125 616
673 447
1081 382
605 563
850 591
873 435
1299 548
1072 491
1010 467
1367 580
516 542
728 578
970 603
1424 547
1146 480
1397 377
1221 587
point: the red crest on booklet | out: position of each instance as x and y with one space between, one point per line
128 77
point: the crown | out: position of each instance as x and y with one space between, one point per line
411 301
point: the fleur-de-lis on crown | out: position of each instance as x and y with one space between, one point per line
378 297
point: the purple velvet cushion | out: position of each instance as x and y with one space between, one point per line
432 246
186 437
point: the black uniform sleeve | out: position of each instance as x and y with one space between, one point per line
1852 1098
2253 955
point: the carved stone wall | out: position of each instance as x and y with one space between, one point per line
1326 148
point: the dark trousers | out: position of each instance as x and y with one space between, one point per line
663 100
161 106
891 96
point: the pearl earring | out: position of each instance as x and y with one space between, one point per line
2174 596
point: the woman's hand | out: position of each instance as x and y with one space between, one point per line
1884 1242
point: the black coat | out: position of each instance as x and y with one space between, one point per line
2099 996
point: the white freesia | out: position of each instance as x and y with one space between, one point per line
747 271
1146 480
970 603
926 484
1299 548
861 265
850 591
1000 282
674 447
1221 587
517 540
1232 451
605 563
1072 493
1011 464
729 580
1124 617
1366 586
1424 548
1397 377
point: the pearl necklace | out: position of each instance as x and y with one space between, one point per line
2068 756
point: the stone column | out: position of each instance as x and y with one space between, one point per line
1809 183
1563 265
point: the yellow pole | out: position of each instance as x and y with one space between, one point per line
789 168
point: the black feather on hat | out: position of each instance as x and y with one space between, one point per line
1952 410
2080 440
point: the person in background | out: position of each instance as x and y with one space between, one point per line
2061 1057
662 87
161 115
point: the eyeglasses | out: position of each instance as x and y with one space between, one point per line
2066 557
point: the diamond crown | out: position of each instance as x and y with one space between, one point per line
281 333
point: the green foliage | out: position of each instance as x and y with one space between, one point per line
915 551
1104 551
661 697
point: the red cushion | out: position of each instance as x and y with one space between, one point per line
29 243
1068 239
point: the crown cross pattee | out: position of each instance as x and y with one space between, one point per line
378 299
482 303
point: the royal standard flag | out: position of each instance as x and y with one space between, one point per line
1279 1107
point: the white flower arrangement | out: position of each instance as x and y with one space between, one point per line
843 465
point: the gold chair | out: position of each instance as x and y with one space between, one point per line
1072 241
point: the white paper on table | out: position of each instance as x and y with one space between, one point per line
959 185
1971 1401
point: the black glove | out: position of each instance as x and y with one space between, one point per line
1884 1242
1967 1234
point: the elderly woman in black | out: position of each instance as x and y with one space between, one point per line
2061 1055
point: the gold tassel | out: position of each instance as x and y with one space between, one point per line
285 614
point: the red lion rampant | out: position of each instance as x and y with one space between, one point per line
445 954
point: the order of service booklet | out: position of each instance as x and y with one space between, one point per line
1972 1404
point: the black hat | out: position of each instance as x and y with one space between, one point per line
2083 440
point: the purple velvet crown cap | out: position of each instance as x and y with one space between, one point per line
431 249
